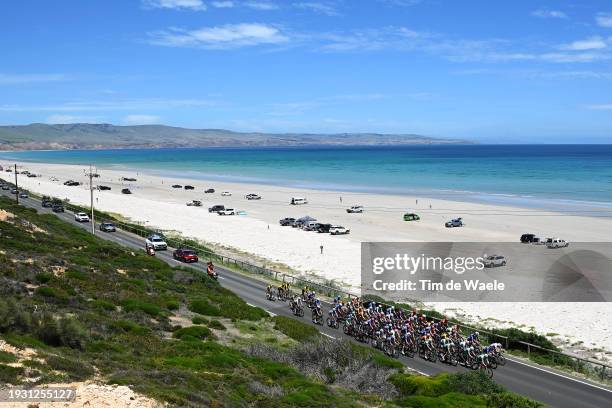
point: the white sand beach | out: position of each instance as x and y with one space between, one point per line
155 203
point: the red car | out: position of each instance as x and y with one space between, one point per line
185 255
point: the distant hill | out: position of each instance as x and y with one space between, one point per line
39 136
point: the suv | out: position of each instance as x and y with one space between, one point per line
57 208
189 187
311 226
126 191
457 222
412 217
209 191
47 203
494 260
253 197
338 230
185 255
216 208
323 228
556 243
527 238
227 211
107 226
81 217
156 242
104 188
286 222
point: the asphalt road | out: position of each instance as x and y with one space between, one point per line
555 389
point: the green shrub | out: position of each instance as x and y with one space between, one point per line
6 357
130 305
128 326
173 304
294 328
473 382
104 305
49 292
412 384
199 320
76 370
198 332
511 400
215 324
73 274
204 307
43 277
450 400
9 374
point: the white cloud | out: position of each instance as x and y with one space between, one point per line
197 5
591 43
317 7
604 19
605 106
141 120
223 4
63 119
19 79
220 37
548 14
117 105
582 57
261 5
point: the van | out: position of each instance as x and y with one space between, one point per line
298 201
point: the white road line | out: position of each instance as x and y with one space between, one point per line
331 337
250 304
559 375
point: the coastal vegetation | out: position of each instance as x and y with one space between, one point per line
87 309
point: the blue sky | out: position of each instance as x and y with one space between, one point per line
513 71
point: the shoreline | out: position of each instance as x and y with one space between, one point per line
155 203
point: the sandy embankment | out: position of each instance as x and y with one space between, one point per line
157 204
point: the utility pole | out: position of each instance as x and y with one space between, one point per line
16 186
91 197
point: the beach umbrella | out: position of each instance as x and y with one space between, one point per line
306 219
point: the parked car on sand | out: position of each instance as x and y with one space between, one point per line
227 211
298 201
338 230
356 209
411 217
556 243
209 190
286 222
216 208
226 194
253 197
126 191
492 261
457 222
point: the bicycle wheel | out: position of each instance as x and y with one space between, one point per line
501 360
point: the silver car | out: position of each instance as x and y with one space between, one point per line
493 261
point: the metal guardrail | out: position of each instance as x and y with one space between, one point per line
586 367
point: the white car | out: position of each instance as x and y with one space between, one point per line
156 242
253 197
338 230
227 211
298 201
356 209
81 217
556 243
492 261
226 194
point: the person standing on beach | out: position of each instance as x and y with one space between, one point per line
321 247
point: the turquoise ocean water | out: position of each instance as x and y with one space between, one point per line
544 176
